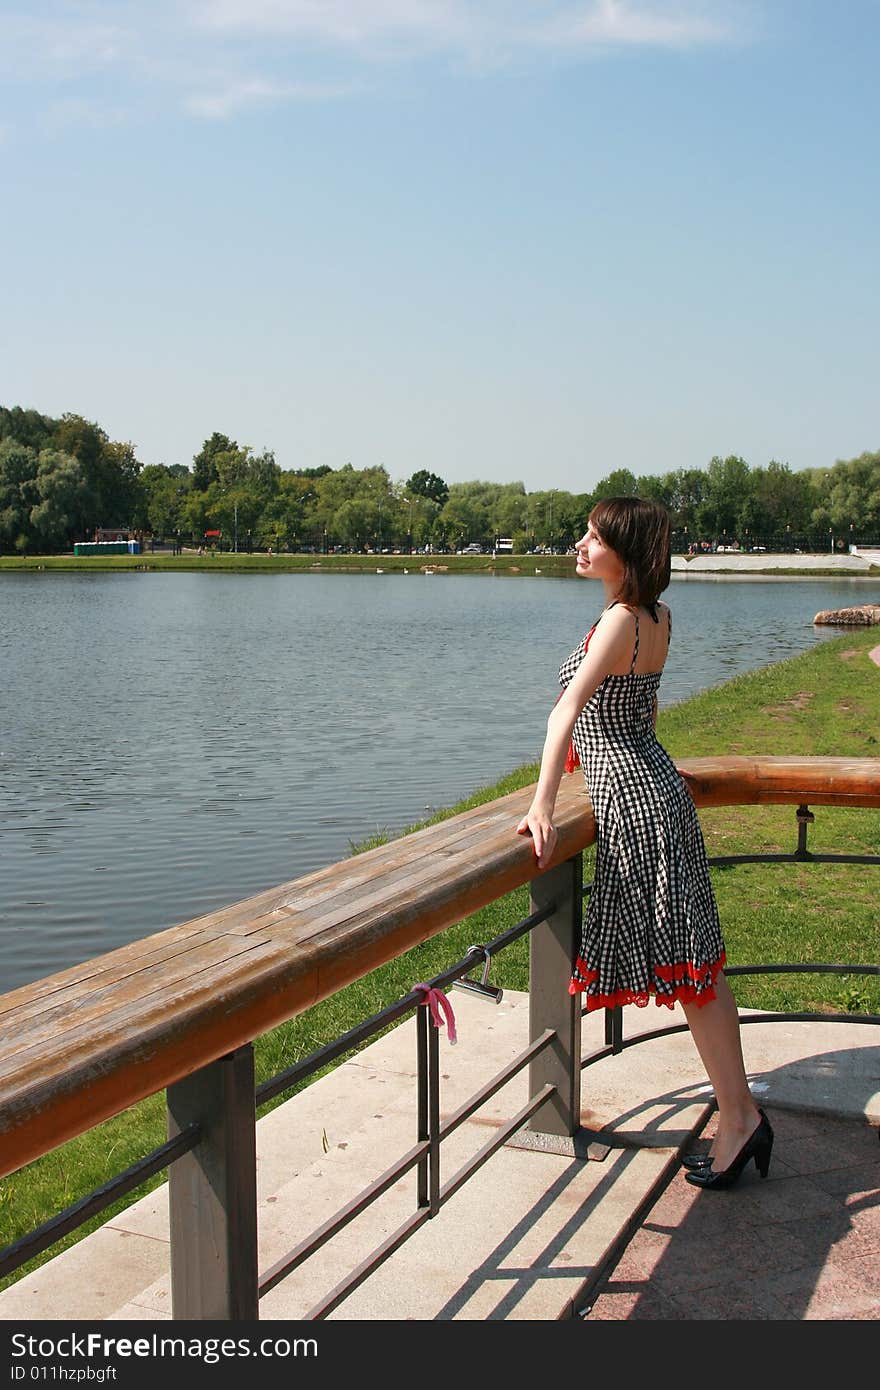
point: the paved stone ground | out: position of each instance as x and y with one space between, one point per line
803 1245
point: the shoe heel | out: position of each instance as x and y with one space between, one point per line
762 1159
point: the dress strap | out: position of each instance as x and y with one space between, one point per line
632 665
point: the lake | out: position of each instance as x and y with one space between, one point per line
175 742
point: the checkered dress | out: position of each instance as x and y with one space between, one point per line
651 926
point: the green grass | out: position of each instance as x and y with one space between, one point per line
826 701
548 565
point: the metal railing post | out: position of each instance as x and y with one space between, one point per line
213 1193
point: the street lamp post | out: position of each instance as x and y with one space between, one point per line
235 530
410 532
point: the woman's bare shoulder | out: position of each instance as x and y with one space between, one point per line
620 617
617 627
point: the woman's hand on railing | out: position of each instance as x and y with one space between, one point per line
538 824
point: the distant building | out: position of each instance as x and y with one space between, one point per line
114 533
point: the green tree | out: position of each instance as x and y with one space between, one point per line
61 511
656 489
27 427
204 467
163 493
687 489
848 496
556 518
372 521
110 470
777 498
288 516
728 484
465 516
18 493
428 485
507 510
620 483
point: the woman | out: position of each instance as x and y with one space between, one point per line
652 923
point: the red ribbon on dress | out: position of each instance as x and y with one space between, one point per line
571 758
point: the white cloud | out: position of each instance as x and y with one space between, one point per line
52 46
611 22
224 99
216 57
468 24
80 111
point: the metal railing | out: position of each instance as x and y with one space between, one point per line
211 1153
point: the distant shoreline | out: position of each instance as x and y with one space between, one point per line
737 566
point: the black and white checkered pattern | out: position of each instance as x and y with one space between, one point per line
651 926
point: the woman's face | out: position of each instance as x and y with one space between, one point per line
596 560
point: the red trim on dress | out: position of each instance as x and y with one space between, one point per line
571 758
699 993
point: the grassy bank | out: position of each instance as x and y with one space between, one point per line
548 565
294 564
826 701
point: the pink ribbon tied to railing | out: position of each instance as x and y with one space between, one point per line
436 1000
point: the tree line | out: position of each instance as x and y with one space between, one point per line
62 479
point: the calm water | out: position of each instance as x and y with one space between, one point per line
171 743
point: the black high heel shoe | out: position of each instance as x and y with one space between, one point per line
694 1162
757 1146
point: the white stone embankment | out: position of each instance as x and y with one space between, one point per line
860 563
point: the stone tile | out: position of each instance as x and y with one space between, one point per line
854 1184
834 1151
87 1280
620 1304
861 1236
787 1199
800 1125
831 1293
791 1245
675 1205
743 1301
642 1258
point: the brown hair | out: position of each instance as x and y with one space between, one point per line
639 532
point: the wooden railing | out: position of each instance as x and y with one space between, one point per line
84 1044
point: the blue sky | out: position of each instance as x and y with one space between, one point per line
527 240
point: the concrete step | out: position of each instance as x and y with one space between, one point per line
523 1236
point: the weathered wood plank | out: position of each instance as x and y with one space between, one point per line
783 780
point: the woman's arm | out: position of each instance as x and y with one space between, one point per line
610 642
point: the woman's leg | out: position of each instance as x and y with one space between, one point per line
715 1030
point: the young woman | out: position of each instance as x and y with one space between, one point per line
652 923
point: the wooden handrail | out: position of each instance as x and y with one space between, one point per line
86 1043
764 781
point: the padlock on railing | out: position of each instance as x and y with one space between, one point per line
481 986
